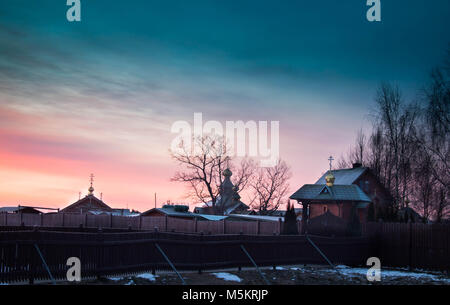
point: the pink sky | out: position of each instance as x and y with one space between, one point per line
48 154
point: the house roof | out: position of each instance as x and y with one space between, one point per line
344 176
170 211
255 217
114 212
317 192
227 210
93 202
17 209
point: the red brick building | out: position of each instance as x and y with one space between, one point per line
346 193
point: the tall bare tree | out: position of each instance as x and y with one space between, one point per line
270 186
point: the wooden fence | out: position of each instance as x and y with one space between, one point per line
103 254
144 223
414 245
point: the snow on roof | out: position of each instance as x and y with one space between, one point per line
344 176
255 217
336 192
212 217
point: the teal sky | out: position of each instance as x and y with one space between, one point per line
101 94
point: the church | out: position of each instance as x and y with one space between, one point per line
93 205
345 193
228 201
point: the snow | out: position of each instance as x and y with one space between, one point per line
279 268
227 276
115 278
148 276
345 270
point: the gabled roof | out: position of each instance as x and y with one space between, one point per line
344 176
93 203
317 192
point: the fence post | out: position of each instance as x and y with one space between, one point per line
42 220
111 220
224 227
32 257
166 220
195 225
6 219
258 229
410 245
100 253
280 226
140 222
62 214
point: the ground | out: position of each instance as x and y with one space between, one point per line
283 275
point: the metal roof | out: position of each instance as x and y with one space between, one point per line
344 176
256 217
319 192
170 211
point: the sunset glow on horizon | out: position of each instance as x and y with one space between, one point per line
101 96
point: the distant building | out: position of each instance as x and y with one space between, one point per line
178 211
93 205
181 212
20 209
281 213
228 201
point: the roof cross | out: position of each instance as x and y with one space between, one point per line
92 179
331 159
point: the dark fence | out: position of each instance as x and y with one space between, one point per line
104 254
415 245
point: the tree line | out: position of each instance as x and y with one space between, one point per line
408 148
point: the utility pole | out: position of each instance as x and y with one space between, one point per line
155 200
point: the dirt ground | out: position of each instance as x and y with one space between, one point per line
283 275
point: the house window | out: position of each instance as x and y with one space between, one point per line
325 209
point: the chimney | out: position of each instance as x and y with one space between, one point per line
356 165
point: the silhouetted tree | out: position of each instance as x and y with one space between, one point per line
290 221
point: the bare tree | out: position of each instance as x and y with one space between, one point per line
202 170
270 186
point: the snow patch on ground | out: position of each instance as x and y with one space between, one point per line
345 270
227 276
148 276
115 279
280 268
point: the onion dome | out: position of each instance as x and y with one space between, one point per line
227 172
330 179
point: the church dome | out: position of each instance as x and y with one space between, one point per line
227 173
330 179
91 190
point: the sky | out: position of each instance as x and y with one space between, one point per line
100 96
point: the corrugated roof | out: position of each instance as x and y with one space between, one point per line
344 176
336 192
